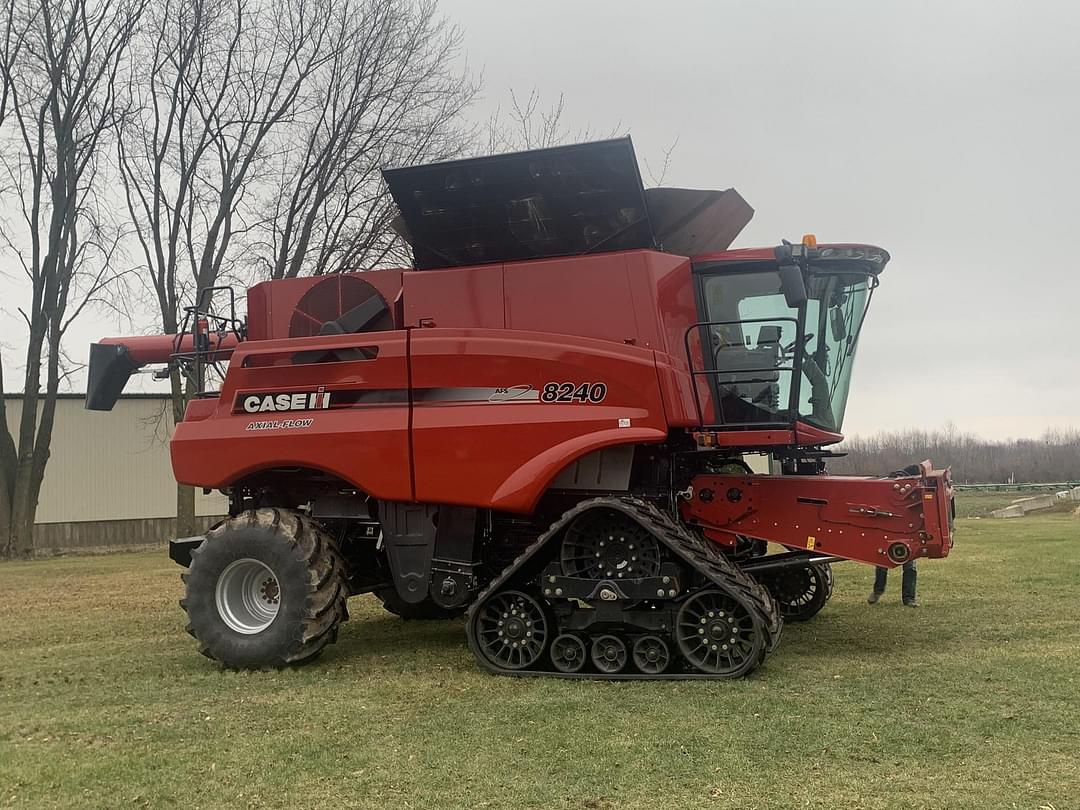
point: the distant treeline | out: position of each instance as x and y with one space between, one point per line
1055 456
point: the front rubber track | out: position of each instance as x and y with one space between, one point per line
696 553
313 589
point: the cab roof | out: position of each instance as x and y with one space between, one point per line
872 255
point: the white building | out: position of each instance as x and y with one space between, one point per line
109 482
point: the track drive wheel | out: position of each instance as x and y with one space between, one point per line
719 636
604 544
801 593
512 630
266 588
422 611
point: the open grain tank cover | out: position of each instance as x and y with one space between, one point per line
690 222
560 201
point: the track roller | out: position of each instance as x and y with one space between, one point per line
568 653
651 655
609 654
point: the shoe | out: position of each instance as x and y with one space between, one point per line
910 603
873 598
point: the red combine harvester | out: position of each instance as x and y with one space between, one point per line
544 424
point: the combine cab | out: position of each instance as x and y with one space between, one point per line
544 425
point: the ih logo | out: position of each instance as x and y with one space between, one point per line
289 401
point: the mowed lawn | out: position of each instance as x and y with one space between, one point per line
972 700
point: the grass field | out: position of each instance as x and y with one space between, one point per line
971 701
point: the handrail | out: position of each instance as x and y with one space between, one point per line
695 373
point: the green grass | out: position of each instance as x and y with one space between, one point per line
971 701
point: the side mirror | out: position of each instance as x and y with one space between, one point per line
837 324
791 282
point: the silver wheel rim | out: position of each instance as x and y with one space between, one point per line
248 596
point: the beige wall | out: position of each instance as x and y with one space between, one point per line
111 466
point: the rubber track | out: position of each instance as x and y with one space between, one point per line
696 552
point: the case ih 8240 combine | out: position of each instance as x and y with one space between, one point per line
542 424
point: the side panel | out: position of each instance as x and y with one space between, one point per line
675 308
676 385
471 297
671 288
360 433
499 413
588 296
643 298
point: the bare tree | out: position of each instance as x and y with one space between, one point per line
1054 457
13 35
658 176
529 124
12 43
256 132
60 61
390 96
222 75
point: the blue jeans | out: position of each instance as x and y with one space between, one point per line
907 584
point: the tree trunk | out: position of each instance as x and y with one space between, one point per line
22 540
8 456
6 538
185 495
185 510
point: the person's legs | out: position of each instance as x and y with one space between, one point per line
907 589
880 575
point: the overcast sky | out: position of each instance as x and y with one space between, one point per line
946 132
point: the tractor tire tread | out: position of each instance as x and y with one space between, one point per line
306 554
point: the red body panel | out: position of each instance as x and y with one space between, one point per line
462 298
470 445
639 297
500 450
366 443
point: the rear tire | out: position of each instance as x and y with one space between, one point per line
425 610
266 588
